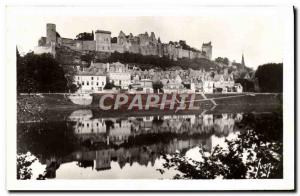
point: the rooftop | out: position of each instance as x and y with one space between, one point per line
102 31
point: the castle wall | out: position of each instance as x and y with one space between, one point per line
88 45
69 43
142 44
134 49
78 45
117 48
42 41
185 54
45 49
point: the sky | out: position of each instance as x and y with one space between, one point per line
258 36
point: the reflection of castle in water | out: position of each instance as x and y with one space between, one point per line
139 140
119 131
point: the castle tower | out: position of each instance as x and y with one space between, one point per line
103 41
207 48
152 38
51 33
121 38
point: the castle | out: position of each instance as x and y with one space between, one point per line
143 44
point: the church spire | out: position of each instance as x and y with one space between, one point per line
243 61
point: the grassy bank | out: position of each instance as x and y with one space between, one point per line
35 107
57 107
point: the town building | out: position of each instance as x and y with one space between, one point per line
90 80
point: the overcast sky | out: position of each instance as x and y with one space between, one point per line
259 37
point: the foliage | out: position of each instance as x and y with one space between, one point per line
255 153
248 86
222 60
40 73
70 72
238 65
109 85
184 46
87 57
24 162
270 77
262 160
148 62
85 36
157 86
114 40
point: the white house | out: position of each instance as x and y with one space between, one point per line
238 87
90 82
208 86
121 79
142 86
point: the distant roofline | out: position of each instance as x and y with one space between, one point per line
102 31
207 44
90 74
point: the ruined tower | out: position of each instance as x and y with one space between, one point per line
103 41
207 48
51 33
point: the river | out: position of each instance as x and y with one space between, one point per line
186 146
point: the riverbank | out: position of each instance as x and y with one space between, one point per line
57 106
33 107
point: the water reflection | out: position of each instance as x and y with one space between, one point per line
119 130
116 147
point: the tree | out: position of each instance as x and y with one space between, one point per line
114 40
87 58
248 86
270 77
222 60
40 73
148 62
255 153
70 73
109 85
24 161
85 36
157 86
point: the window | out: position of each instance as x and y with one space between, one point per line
82 83
92 78
87 83
92 82
97 84
103 83
78 77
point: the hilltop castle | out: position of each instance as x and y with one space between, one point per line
144 44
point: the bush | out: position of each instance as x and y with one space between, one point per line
270 77
40 73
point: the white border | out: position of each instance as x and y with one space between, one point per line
287 183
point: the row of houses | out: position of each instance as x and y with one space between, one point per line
118 76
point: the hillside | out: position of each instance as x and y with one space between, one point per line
67 56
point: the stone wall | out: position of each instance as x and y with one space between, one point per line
87 45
